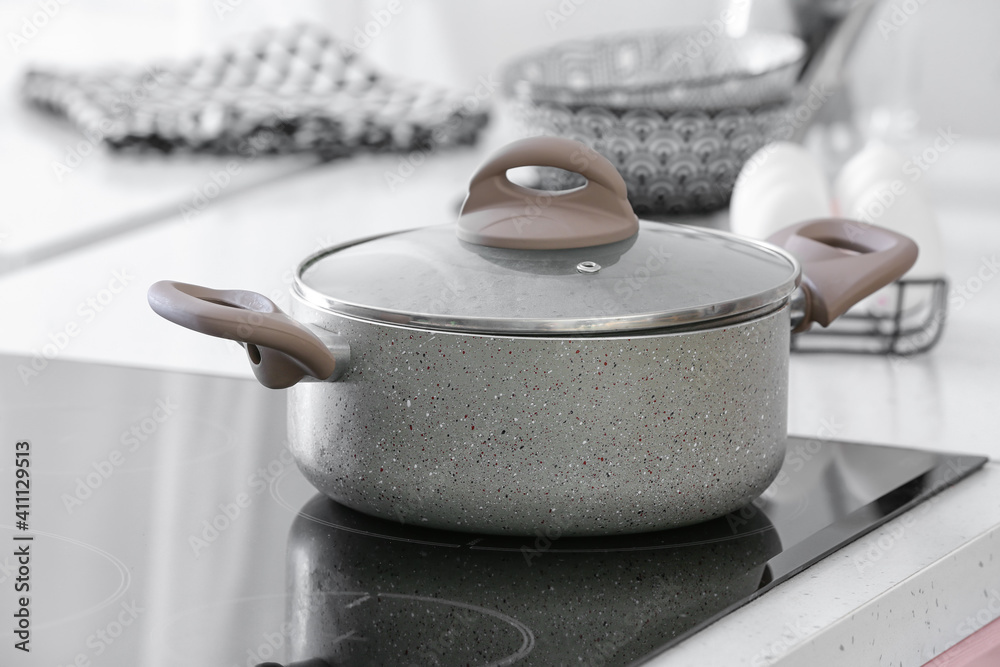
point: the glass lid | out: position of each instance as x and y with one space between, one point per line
665 276
524 261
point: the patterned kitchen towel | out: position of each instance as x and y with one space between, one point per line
284 91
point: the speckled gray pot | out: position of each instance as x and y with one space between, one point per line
460 385
368 592
506 435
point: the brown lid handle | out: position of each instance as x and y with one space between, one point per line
502 214
281 350
843 261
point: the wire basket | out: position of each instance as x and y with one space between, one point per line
910 319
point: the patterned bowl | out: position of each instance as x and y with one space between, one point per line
678 122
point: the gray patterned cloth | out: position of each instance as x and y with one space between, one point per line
287 91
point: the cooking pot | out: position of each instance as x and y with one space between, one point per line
411 596
549 360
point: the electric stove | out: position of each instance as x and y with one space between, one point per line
169 526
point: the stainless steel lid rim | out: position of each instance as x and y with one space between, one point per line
702 326
689 316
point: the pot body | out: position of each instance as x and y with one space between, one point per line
508 435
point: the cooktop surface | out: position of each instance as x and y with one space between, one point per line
168 525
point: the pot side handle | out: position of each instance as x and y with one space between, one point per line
843 261
281 350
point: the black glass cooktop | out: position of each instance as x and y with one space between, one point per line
171 527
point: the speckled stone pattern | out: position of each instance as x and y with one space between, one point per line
514 435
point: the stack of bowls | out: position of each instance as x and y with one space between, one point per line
678 113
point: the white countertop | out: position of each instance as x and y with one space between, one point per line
60 189
943 400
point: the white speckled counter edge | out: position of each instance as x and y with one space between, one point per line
898 596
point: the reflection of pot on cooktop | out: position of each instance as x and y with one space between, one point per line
367 591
